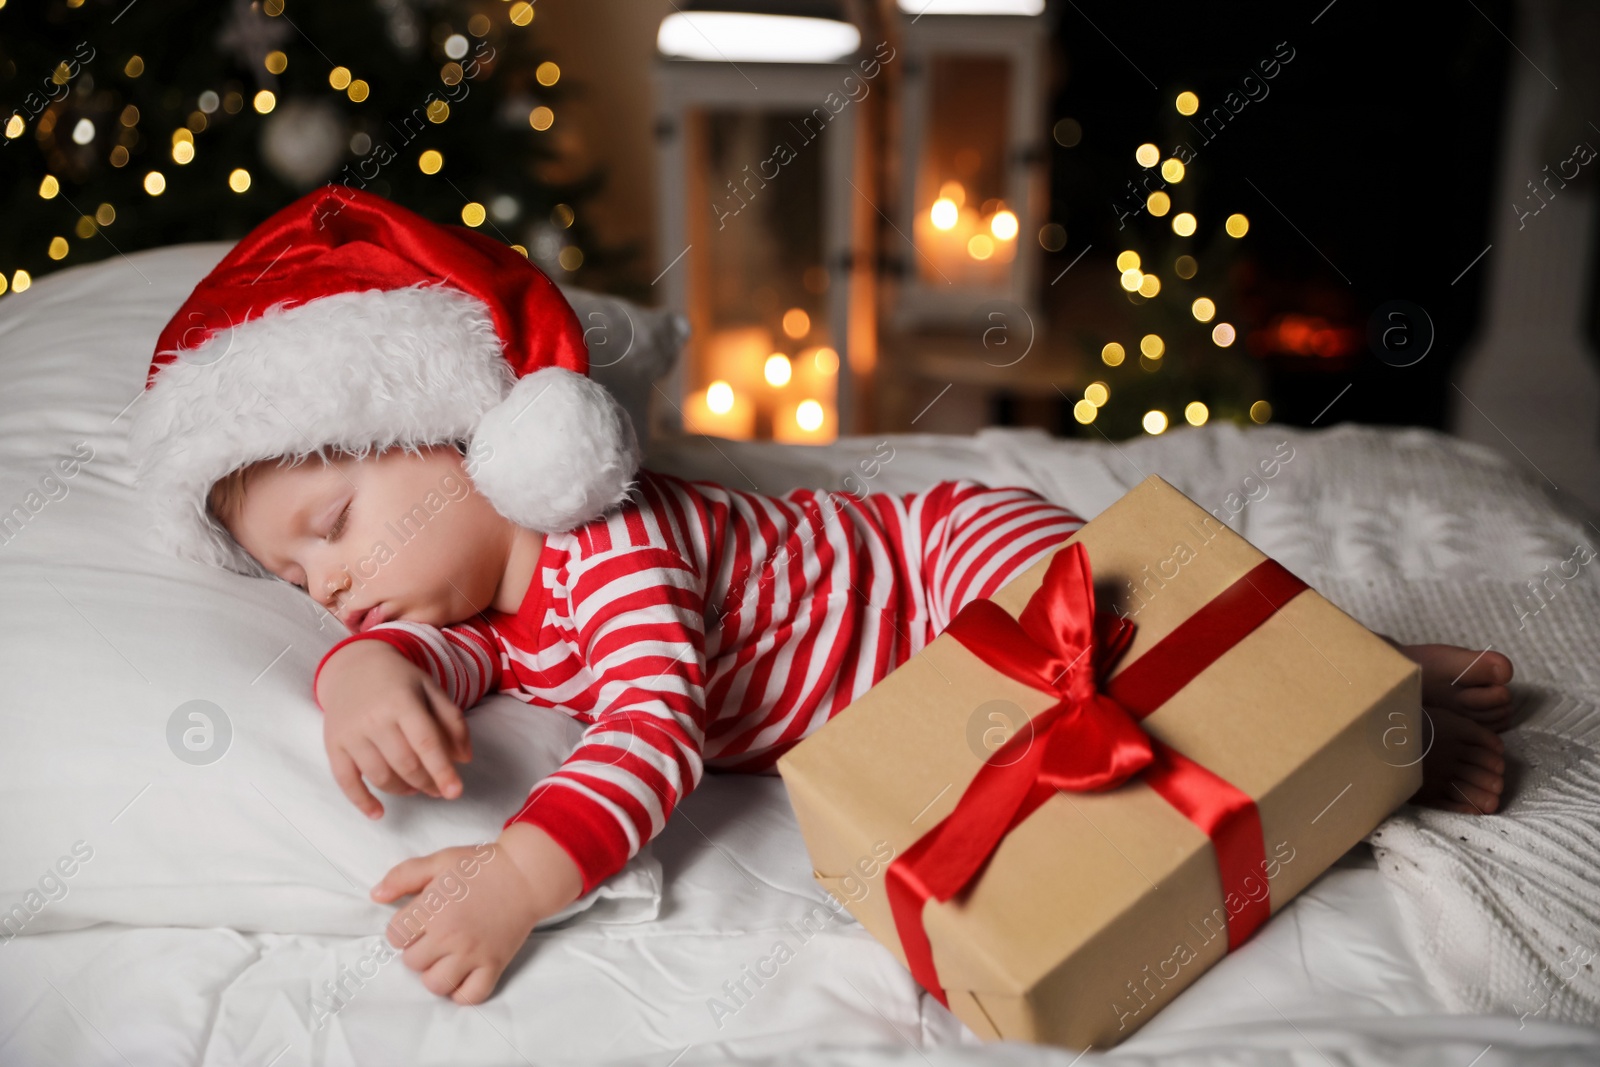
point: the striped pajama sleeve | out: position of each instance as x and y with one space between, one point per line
464 658
638 611
989 536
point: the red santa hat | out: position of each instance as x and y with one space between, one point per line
346 321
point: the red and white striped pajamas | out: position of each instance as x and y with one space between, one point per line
701 626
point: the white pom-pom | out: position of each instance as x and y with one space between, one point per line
559 451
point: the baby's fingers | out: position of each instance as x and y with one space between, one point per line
428 741
398 751
348 775
453 721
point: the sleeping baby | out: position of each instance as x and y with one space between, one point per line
348 360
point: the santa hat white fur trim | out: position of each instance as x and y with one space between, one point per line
366 371
557 452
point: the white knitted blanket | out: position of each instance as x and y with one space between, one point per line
1417 535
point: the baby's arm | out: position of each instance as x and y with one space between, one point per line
393 699
639 616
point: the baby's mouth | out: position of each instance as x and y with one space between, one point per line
361 621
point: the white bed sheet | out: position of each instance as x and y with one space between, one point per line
1327 981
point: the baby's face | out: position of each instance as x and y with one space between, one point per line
405 533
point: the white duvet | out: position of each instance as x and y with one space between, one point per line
174 942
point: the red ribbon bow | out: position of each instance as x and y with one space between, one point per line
1090 739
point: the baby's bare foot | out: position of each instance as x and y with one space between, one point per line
1464 768
1466 681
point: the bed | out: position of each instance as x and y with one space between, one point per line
215 908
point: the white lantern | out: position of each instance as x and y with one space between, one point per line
972 180
763 243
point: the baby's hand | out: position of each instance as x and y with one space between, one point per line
475 907
385 718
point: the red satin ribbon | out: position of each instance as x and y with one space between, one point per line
1089 740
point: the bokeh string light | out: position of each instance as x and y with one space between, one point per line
128 149
1185 356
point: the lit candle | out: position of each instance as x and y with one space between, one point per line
719 411
809 422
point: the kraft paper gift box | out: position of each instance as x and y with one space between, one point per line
1217 738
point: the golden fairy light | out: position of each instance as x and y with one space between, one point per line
1152 345
1172 170
1187 103
1084 411
358 91
1155 422
430 161
1149 286
1183 224
1097 393
719 397
541 118
1127 260
1003 225
49 187
276 62
547 73
1260 411
1222 335
980 246
155 183
473 213
264 101
1196 413
1132 279
571 258
1237 225
239 180
944 213
1147 155
58 248
1112 355
1159 204
339 78
796 323
1204 309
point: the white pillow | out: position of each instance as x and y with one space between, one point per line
107 644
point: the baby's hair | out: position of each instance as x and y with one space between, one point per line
227 493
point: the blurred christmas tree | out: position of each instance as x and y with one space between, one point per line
152 123
1178 263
